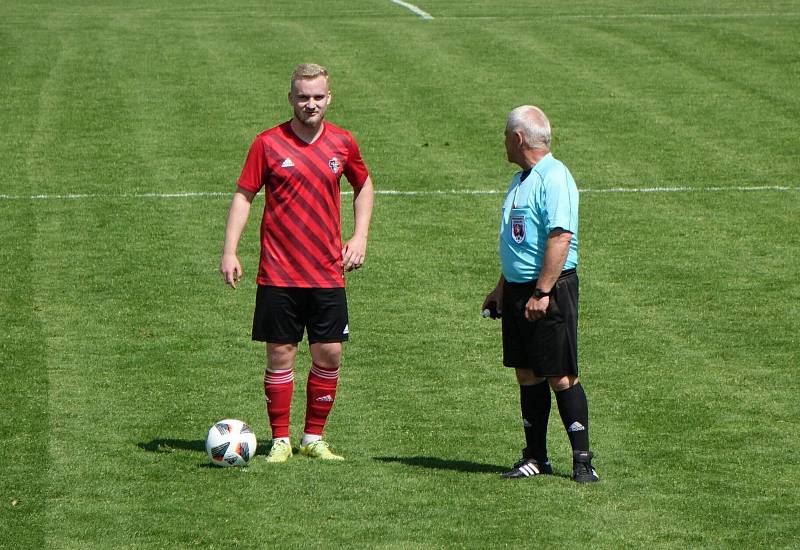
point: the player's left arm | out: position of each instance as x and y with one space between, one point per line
355 249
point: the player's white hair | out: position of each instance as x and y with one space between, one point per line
533 124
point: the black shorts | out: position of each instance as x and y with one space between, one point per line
549 346
282 315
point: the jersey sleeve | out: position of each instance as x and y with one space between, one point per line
561 201
252 177
355 170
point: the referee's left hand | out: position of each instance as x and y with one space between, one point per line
536 308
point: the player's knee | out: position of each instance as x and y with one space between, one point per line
280 356
327 355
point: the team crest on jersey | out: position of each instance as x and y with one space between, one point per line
334 164
518 228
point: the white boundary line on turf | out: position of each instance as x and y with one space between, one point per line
412 8
392 192
679 15
633 16
691 189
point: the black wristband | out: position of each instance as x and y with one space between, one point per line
539 293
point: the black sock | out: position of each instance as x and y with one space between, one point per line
574 411
535 404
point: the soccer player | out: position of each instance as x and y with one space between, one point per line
537 294
301 272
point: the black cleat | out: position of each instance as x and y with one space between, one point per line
528 467
582 470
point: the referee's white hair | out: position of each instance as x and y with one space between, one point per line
533 124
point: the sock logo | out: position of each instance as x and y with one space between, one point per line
325 399
576 427
526 424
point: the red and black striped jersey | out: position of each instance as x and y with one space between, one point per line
301 241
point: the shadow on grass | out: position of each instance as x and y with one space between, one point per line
441 464
164 445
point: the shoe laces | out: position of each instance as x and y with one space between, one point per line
319 445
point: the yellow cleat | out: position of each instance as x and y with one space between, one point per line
319 449
281 451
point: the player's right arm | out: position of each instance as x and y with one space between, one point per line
229 265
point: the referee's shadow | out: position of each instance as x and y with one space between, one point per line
435 463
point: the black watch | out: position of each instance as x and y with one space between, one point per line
539 293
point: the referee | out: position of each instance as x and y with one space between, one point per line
537 295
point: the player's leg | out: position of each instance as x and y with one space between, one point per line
321 388
278 391
276 322
327 329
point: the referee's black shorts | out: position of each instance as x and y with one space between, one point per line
549 346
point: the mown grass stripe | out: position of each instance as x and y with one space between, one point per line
398 193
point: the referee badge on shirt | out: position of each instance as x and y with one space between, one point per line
518 228
334 164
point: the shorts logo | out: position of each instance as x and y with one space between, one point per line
334 165
518 228
346 329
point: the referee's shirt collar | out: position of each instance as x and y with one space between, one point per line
543 164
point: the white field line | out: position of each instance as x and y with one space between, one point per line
412 8
682 15
398 193
634 16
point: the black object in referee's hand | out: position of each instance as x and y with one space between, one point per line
491 311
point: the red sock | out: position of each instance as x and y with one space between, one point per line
320 395
278 389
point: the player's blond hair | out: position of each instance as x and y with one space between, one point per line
309 71
533 124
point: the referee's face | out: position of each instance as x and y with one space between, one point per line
513 143
310 99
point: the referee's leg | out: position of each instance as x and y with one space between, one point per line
574 410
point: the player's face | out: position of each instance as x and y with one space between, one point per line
310 100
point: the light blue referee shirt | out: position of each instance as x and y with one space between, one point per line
539 201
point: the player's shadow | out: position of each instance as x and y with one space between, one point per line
435 463
165 445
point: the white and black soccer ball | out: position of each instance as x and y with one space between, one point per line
230 442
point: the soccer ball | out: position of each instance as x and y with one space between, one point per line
230 442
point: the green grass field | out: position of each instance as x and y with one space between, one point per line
124 127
